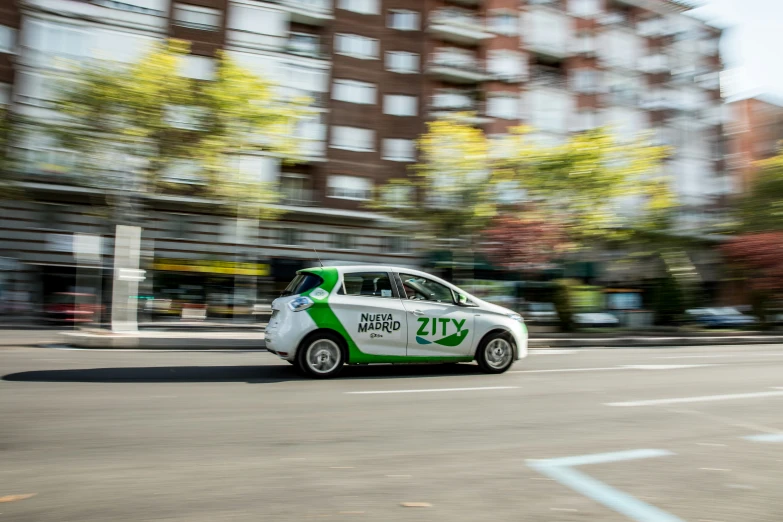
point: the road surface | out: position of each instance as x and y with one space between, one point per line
650 435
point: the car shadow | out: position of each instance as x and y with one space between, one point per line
255 374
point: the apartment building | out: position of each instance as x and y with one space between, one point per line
377 70
753 131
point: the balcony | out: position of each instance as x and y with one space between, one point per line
297 197
458 26
304 48
451 103
456 69
548 77
654 64
310 12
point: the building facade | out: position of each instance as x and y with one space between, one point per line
754 131
377 71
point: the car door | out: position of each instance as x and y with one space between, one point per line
436 326
369 307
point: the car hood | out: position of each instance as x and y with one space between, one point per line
486 306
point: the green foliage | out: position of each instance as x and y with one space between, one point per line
562 301
761 209
668 301
575 185
131 125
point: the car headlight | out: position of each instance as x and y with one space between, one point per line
516 317
300 303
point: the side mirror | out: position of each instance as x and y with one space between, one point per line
462 300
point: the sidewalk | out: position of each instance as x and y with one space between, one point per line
254 339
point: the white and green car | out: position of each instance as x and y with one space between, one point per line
332 316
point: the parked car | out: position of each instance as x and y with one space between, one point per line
595 320
71 308
539 313
723 317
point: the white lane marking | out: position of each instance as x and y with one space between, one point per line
765 437
702 398
552 352
558 370
561 470
615 368
713 444
432 390
714 469
568 510
664 366
719 355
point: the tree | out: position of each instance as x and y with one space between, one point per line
757 247
761 209
760 257
583 183
457 188
522 244
136 129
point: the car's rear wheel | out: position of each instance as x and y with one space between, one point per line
321 355
496 353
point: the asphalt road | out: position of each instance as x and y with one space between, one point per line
652 435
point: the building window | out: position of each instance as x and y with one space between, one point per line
353 91
252 19
55 41
187 172
506 65
196 17
349 187
180 226
198 67
289 236
357 46
400 105
369 7
399 150
403 20
586 80
5 94
353 138
395 244
504 107
7 39
304 43
294 189
343 241
402 62
506 23
584 8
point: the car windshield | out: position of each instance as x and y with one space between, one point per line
302 283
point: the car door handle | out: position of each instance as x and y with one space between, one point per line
417 312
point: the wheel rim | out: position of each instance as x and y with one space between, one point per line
323 356
498 353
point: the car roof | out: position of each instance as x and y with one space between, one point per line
368 268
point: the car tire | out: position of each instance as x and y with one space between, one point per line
321 355
496 353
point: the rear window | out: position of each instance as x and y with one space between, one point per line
302 283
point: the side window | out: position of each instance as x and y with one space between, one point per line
372 284
422 289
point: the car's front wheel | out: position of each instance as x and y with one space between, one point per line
496 353
321 356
